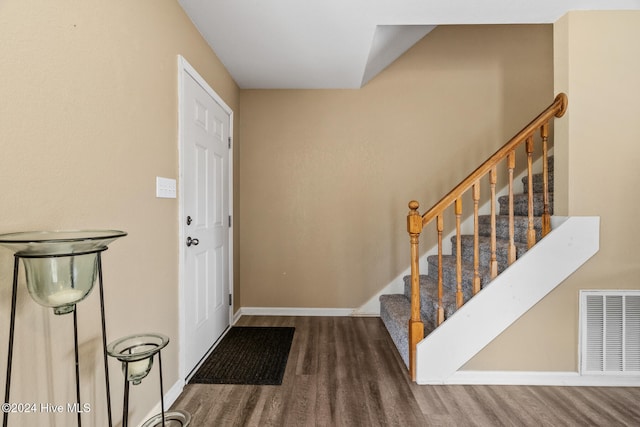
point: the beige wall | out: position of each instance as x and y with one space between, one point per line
597 63
326 175
88 119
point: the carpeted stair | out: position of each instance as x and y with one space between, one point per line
395 309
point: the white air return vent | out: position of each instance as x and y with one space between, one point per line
610 332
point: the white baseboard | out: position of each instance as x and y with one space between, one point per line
294 311
555 378
169 398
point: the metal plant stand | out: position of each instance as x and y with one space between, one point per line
61 269
136 352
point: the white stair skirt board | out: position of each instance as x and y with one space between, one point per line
570 244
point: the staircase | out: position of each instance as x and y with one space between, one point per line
395 309
498 240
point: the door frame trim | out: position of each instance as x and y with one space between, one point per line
185 68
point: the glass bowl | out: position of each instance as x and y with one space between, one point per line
136 354
61 266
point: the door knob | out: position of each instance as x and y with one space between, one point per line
193 242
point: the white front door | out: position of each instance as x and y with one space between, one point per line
204 142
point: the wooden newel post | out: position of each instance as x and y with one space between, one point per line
416 327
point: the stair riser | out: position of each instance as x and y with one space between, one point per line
537 178
538 186
521 204
502 227
484 251
449 273
429 299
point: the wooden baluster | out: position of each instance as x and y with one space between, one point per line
546 215
494 260
459 297
416 327
531 232
476 243
511 254
440 227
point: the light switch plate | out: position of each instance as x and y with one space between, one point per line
165 188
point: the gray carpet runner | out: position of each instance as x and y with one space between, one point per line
395 309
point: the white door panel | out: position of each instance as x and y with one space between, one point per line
205 131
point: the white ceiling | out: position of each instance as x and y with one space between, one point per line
322 44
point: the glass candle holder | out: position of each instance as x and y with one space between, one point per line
136 354
60 266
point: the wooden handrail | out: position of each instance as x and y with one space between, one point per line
416 222
557 109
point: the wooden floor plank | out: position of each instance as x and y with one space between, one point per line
344 371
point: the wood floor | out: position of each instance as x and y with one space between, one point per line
344 371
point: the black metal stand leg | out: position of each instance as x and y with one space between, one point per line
125 405
161 389
104 339
75 346
14 295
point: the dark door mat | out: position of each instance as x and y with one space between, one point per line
248 355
